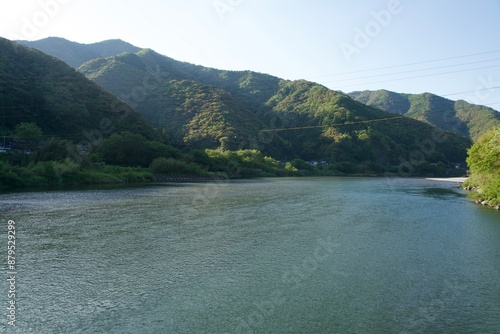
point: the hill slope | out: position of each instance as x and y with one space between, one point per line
38 88
359 139
456 116
75 54
198 105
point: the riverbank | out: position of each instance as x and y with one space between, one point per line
474 193
480 196
448 179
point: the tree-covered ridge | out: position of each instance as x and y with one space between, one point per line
199 116
41 89
59 128
460 116
198 107
484 164
75 54
208 122
125 73
48 141
302 103
208 108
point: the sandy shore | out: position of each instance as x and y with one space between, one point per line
449 179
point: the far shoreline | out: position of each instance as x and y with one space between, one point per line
448 179
178 179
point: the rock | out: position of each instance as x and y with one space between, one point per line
497 207
484 203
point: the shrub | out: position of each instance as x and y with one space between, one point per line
163 165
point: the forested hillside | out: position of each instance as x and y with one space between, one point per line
358 139
234 106
173 118
62 102
459 117
58 127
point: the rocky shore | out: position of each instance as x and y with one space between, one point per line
479 199
482 201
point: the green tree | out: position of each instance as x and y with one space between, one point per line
28 135
55 150
484 164
131 149
163 165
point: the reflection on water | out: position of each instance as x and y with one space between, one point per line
309 255
443 192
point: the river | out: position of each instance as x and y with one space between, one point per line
283 255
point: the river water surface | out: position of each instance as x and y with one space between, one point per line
304 255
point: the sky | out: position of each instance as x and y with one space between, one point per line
446 47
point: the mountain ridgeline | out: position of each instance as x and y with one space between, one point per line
206 108
145 110
43 90
460 117
75 54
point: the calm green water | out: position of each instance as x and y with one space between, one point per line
307 255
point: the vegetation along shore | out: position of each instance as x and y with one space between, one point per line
86 123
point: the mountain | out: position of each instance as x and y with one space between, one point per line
38 88
75 54
456 116
196 106
205 107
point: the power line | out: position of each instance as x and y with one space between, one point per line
402 65
494 103
420 76
419 70
332 125
472 91
16 115
48 104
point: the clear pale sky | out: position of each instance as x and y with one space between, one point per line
444 47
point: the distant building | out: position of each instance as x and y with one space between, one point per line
315 163
5 149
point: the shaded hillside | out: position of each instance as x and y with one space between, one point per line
75 54
205 107
38 88
59 128
456 116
